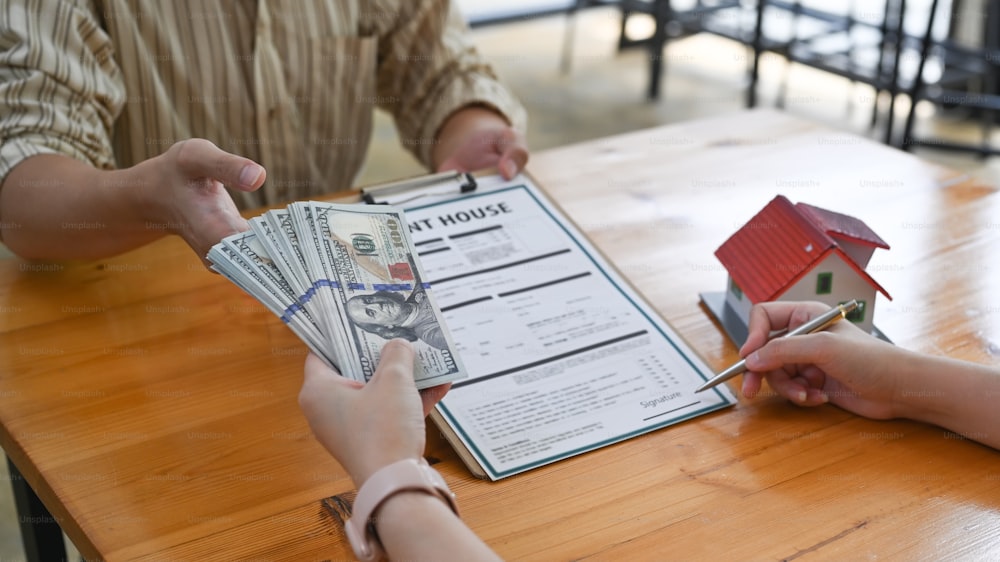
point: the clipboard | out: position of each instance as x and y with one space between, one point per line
408 190
440 191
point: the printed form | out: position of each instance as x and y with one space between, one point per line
563 355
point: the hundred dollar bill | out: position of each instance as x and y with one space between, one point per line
251 249
345 279
321 280
252 276
378 289
277 235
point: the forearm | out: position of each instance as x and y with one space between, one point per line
56 207
956 395
430 67
418 526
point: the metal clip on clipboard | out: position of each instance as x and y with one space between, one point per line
444 183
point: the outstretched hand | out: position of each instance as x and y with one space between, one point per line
841 365
188 196
474 138
366 427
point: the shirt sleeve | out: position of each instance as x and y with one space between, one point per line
60 87
428 69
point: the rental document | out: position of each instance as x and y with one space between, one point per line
562 355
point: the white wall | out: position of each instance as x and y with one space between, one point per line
847 285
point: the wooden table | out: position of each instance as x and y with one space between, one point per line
152 405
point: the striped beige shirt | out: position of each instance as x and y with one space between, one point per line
289 83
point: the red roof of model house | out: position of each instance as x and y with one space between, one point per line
784 241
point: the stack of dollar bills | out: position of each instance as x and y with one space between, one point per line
346 279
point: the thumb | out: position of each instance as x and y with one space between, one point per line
513 153
451 163
199 158
431 396
395 367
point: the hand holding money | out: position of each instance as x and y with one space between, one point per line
345 278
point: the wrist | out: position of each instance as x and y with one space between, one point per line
144 196
406 506
408 476
363 473
918 394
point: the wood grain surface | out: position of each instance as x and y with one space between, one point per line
152 405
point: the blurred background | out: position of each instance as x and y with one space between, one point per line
850 64
588 68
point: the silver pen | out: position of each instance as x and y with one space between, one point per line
816 324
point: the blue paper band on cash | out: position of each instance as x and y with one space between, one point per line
405 191
345 279
286 317
289 312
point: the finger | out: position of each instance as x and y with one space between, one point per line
765 318
787 387
813 376
451 164
321 386
512 162
317 370
199 158
815 397
814 379
395 366
514 155
800 316
431 396
812 349
751 384
770 316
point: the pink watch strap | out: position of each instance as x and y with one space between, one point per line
404 475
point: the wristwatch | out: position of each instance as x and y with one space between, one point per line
401 476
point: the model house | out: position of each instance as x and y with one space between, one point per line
796 252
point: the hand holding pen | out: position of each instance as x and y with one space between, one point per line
816 324
841 364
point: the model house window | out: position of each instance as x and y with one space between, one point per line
735 289
858 314
824 283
